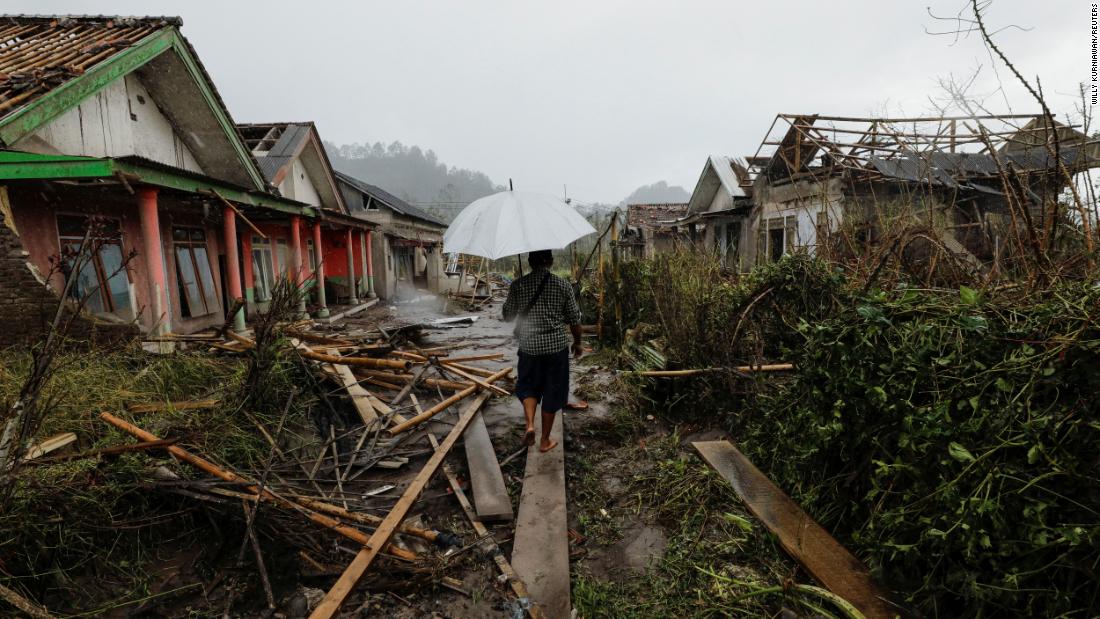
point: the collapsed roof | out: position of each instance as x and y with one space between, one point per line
944 151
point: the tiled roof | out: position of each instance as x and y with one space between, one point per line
390 200
652 215
40 53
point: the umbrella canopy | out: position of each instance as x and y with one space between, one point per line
514 222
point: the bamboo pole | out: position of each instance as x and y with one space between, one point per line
404 378
774 367
367 362
477 381
347 581
209 467
438 408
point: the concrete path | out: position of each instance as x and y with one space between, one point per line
540 552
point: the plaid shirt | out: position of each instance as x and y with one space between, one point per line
542 331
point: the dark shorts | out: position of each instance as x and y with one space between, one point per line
545 378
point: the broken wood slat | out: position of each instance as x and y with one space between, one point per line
51 444
108 451
806 541
486 480
417 375
491 548
359 396
179 406
442 406
209 467
540 548
477 381
339 591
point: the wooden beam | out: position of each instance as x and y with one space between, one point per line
806 541
490 544
347 581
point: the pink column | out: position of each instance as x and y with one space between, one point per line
370 266
350 242
319 272
154 259
294 269
233 266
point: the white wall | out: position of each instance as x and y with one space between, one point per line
804 200
298 185
120 120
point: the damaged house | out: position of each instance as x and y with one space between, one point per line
650 228
409 252
112 125
293 159
716 211
814 176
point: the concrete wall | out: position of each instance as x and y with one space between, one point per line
120 120
803 200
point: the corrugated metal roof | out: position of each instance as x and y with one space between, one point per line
40 53
390 200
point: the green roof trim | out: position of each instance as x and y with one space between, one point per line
19 166
28 118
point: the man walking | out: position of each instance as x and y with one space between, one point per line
542 304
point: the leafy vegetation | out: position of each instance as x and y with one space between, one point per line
946 436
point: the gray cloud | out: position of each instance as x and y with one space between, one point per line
602 96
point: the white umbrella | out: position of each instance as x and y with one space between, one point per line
514 222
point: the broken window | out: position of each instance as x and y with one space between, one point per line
733 244
284 257
98 266
263 271
776 238
198 296
312 256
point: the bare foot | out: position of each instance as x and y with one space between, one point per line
547 445
529 438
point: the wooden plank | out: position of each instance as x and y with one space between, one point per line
51 444
540 552
823 557
489 543
359 396
339 591
486 480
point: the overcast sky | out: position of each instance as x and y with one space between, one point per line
602 96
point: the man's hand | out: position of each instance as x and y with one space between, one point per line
578 350
577 336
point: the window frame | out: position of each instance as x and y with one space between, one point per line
265 271
188 245
102 289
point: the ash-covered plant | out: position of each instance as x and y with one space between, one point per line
949 438
270 373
